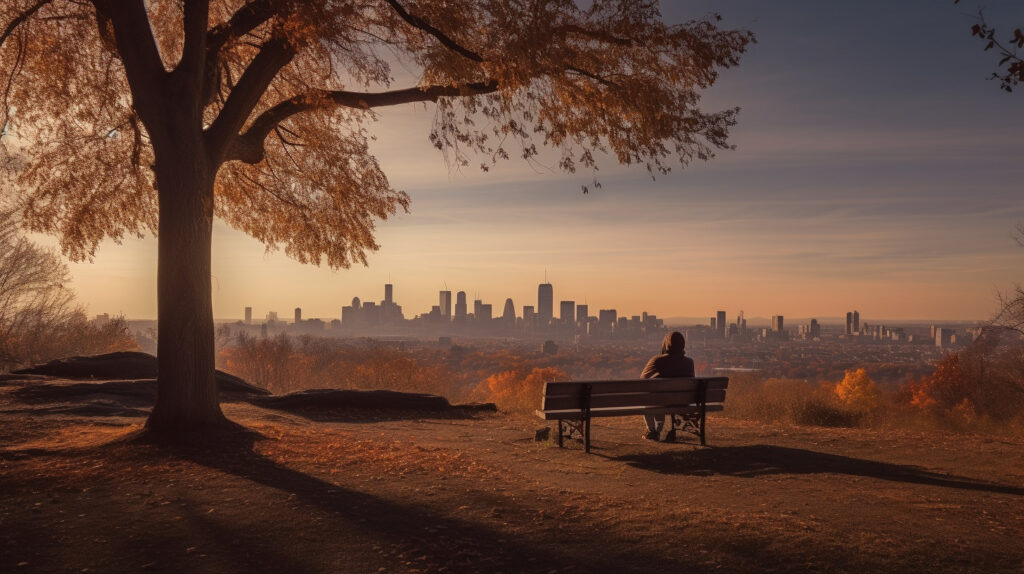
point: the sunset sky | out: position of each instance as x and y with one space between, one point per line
877 168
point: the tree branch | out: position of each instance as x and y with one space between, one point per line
593 34
592 76
248 147
20 19
197 17
137 49
246 19
446 41
274 55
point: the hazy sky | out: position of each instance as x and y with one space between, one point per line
876 168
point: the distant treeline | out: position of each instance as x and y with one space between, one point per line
978 388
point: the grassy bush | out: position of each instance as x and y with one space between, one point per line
788 401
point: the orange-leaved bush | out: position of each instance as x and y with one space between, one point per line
858 391
517 390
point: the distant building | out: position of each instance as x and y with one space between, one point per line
446 305
529 317
460 306
248 315
298 315
582 314
720 324
389 292
606 320
811 330
777 323
856 321
849 323
508 315
944 337
549 348
567 312
545 303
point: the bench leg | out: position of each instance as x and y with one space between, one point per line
703 419
586 435
560 432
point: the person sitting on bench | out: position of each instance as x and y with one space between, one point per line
672 362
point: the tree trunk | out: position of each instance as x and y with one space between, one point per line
186 389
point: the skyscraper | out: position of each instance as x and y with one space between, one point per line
856 321
582 313
545 303
298 315
460 305
567 312
720 324
389 293
508 316
248 315
777 323
446 305
849 323
607 319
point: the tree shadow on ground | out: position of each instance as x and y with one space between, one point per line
362 415
440 542
130 393
98 408
762 460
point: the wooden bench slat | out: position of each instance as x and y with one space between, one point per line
634 385
647 399
619 412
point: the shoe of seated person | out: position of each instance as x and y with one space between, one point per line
670 436
651 435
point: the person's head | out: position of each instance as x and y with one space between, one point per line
673 343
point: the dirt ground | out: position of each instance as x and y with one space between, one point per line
378 491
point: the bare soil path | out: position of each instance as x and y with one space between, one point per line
380 491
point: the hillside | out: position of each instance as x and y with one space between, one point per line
374 490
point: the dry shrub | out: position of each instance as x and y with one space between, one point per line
284 364
980 388
39 319
788 401
516 390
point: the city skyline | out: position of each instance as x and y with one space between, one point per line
719 322
873 169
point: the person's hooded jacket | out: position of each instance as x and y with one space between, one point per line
672 362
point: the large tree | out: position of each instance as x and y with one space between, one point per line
138 116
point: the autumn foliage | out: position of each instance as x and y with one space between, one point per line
983 383
519 391
858 391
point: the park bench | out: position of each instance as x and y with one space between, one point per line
688 400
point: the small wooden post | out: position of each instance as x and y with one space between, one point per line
703 393
586 417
